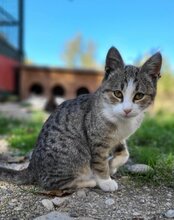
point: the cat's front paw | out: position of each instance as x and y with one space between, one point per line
107 185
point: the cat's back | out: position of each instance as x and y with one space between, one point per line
66 122
73 110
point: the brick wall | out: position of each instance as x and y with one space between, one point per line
49 78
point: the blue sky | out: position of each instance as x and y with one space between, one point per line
134 27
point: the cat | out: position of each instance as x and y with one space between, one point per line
83 143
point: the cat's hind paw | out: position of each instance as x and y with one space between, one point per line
107 185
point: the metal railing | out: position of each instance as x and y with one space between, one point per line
11 28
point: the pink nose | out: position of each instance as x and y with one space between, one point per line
127 111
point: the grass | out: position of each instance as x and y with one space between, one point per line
152 144
21 134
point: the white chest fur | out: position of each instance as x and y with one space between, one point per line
127 127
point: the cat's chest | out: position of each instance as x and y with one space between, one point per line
125 128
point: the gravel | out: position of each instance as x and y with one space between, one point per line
54 216
130 201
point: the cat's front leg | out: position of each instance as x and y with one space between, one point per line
120 156
101 171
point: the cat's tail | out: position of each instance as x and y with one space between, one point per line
16 176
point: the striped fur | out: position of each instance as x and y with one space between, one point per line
76 141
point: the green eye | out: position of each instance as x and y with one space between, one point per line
138 96
118 94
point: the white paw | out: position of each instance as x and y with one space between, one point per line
107 185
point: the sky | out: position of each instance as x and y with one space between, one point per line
134 27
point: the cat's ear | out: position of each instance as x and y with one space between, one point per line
153 65
114 61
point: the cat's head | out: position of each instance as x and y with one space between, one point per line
127 90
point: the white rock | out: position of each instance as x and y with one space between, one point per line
142 201
86 218
169 213
153 205
3 146
57 201
12 202
169 194
168 204
139 168
81 193
54 216
109 201
18 208
136 214
47 204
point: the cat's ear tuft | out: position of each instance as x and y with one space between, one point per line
113 60
153 65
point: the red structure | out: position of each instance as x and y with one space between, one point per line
11 43
7 74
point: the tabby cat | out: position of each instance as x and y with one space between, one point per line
84 141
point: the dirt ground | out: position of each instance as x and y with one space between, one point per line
129 202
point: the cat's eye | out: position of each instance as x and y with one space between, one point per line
118 94
138 96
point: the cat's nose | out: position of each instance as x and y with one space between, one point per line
127 111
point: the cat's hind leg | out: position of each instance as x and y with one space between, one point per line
120 156
84 179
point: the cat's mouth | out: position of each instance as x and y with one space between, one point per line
128 116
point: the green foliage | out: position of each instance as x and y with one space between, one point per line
79 54
156 132
21 134
153 144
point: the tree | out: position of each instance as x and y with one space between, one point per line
77 54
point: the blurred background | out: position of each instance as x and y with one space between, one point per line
58 49
55 50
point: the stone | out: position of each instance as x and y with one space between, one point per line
16 159
73 213
12 202
136 214
153 205
19 208
57 201
142 201
169 213
54 216
86 218
169 194
81 193
139 168
109 202
3 146
168 204
47 204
